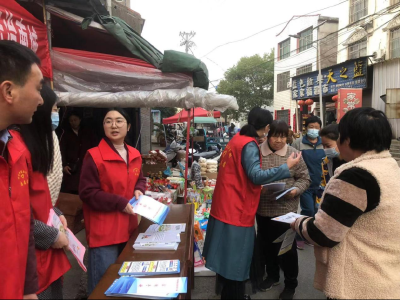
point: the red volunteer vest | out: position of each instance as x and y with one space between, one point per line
51 263
116 177
15 216
236 198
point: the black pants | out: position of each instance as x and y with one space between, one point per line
232 289
289 262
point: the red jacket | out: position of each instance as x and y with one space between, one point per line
236 198
15 222
106 224
51 263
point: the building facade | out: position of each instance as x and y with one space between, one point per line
296 54
372 28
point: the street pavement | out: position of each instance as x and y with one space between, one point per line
74 281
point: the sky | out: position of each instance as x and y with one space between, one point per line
218 22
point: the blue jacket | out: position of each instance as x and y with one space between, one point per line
313 154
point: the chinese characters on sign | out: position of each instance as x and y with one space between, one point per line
15 30
351 74
348 99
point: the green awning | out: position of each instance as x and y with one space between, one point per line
204 120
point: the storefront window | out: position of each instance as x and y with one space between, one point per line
284 49
283 80
358 10
395 43
306 39
358 49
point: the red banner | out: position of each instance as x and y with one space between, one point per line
348 99
17 24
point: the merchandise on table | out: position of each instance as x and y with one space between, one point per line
156 246
148 288
180 228
150 209
150 268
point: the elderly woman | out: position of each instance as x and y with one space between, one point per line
356 230
275 151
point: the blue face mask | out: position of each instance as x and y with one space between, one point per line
55 120
313 133
331 153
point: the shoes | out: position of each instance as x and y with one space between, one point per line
300 245
287 294
247 297
308 244
268 284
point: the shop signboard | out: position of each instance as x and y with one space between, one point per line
350 74
348 99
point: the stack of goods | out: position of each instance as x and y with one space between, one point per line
164 198
160 237
158 156
148 288
150 268
154 163
162 190
212 166
203 165
179 182
199 240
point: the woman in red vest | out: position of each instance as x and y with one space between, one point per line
111 176
230 235
52 262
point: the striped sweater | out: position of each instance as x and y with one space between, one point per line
356 230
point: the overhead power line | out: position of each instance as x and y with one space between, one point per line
269 28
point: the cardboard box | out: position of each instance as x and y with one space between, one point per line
198 139
71 207
159 167
212 175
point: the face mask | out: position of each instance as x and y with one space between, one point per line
55 120
312 133
331 153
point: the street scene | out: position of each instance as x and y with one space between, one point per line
213 149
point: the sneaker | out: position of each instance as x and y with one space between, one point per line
287 294
309 244
268 284
300 245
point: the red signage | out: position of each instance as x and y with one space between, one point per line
348 99
17 24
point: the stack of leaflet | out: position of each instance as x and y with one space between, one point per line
150 209
149 268
148 288
179 228
158 241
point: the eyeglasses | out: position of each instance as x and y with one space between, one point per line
118 123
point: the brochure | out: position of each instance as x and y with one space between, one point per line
274 187
150 209
287 240
280 194
75 246
148 288
158 237
149 268
181 228
288 218
156 246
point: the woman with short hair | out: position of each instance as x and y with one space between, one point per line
356 230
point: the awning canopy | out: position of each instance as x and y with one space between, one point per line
182 116
204 120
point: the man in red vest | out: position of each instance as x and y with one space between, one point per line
20 84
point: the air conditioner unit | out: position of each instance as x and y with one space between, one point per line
379 55
289 85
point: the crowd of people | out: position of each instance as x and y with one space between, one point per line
345 184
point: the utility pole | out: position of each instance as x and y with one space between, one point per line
187 40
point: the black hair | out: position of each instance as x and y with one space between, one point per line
279 128
122 112
38 135
368 129
313 119
331 132
257 119
16 62
75 113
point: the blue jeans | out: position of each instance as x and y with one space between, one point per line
99 260
308 202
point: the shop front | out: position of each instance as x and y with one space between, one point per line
338 79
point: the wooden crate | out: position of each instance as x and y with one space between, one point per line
71 206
